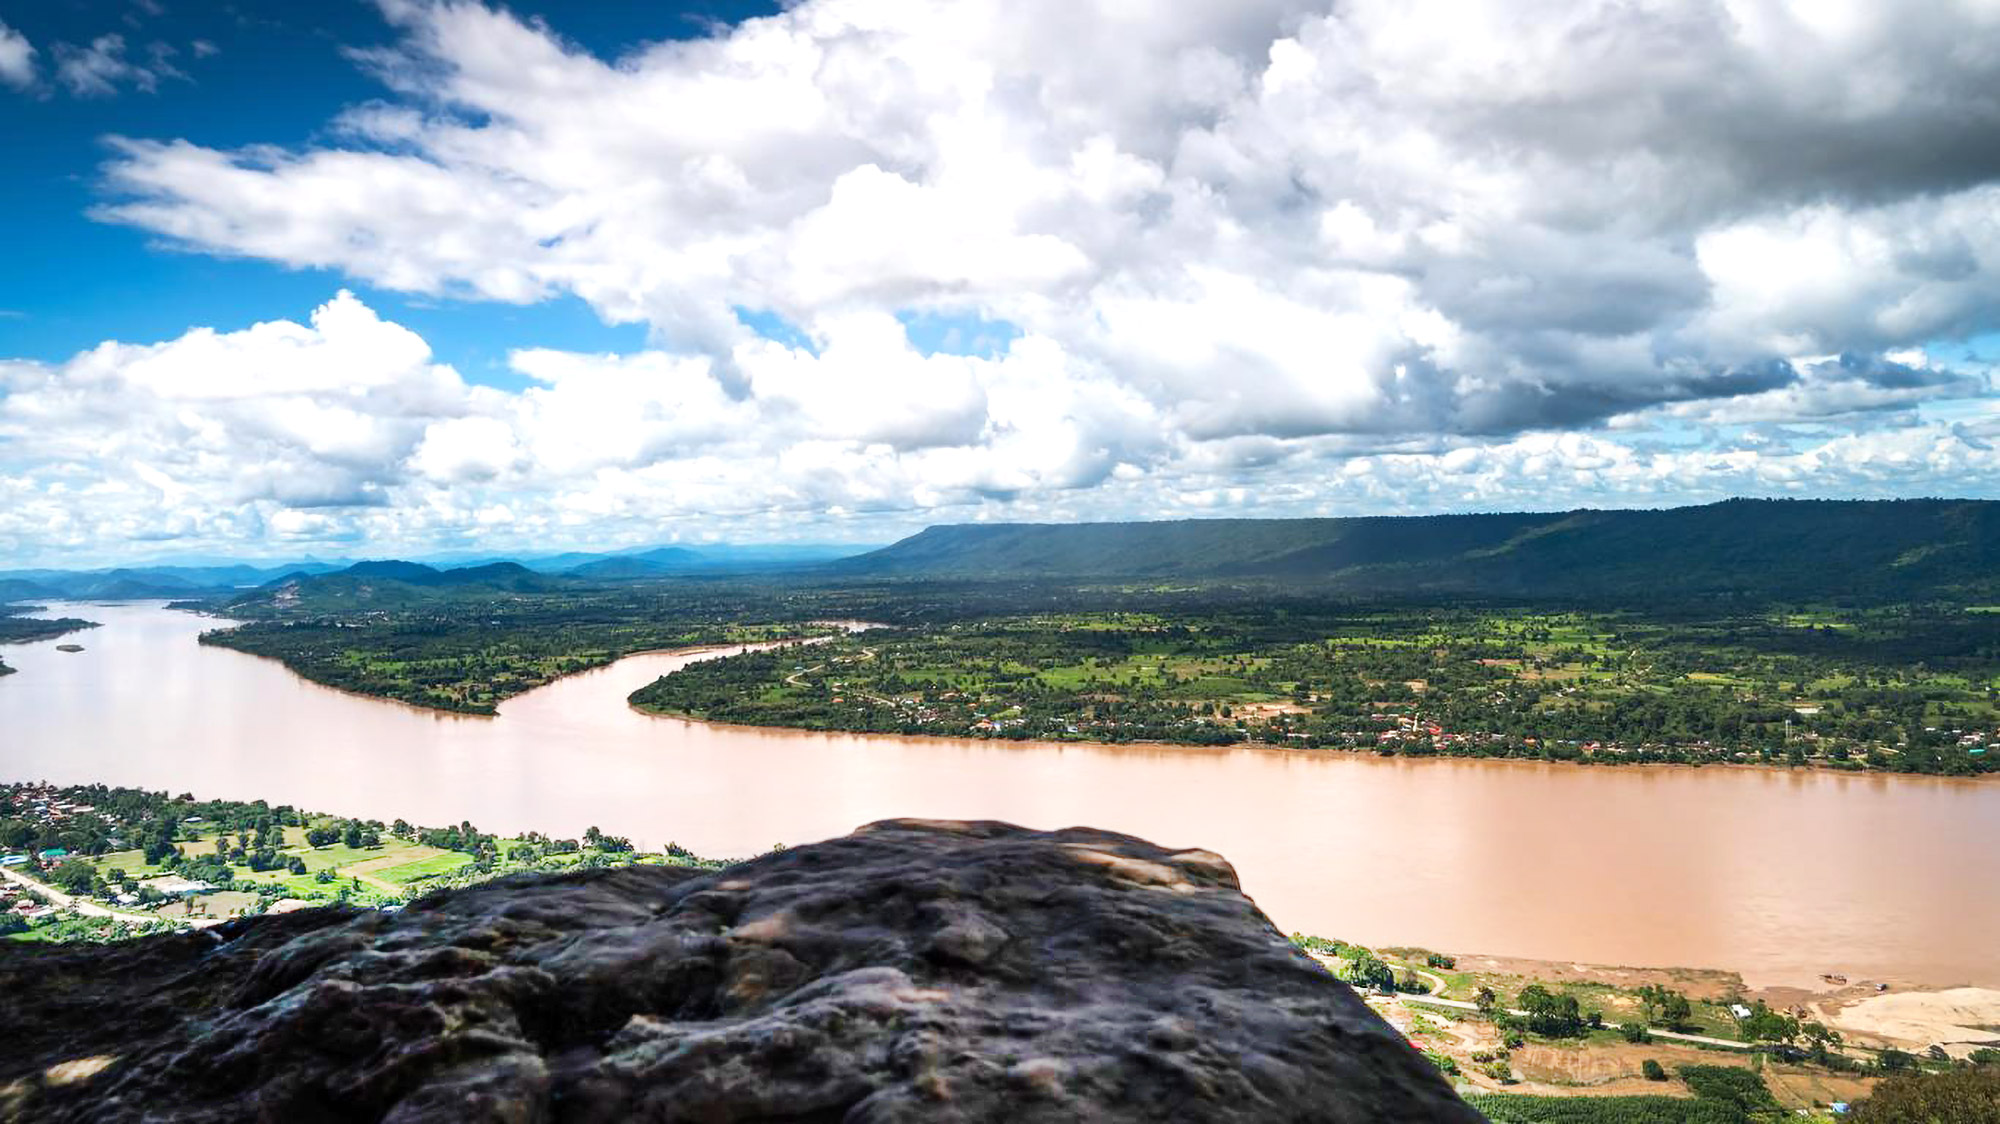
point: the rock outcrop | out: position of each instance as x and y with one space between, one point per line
912 971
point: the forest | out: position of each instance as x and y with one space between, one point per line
469 653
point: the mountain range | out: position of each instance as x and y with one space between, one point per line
234 578
1788 548
1799 549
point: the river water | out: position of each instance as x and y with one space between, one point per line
1780 875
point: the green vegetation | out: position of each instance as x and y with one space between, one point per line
18 629
1897 688
1730 1085
1958 1096
1722 1095
250 856
1506 1108
466 649
1885 551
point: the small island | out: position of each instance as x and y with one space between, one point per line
69 647
18 629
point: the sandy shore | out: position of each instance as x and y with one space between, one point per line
1960 1019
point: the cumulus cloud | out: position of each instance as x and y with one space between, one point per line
1244 254
344 433
1270 217
17 59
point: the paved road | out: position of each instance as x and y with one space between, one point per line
92 909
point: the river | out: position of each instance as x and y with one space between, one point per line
1779 875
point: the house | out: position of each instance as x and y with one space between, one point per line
1739 1010
174 886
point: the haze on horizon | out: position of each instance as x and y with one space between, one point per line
437 276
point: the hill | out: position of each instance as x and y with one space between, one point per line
391 584
1793 548
142 583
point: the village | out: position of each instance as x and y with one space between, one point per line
104 864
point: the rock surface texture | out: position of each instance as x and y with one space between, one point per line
911 971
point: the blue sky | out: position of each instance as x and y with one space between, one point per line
591 275
279 71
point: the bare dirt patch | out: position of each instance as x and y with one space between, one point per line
1960 1019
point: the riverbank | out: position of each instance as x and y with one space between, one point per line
1524 859
1319 752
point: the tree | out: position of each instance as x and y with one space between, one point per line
1763 1024
1635 1032
1665 1006
75 876
352 836
1485 1000
1819 1039
1896 1061
1558 1016
1960 1096
1366 971
1652 1069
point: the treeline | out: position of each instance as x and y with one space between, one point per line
468 656
18 629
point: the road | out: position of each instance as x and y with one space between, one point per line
1437 984
1672 1035
92 909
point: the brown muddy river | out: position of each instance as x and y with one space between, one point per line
1779 875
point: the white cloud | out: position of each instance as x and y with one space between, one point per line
17 59
344 434
1474 217
98 69
1245 253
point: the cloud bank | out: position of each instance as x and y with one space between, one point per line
1269 256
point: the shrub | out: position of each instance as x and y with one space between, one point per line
1730 1085
1961 1096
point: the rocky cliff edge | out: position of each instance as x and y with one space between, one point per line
912 971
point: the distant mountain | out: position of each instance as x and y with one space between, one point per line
1793 548
226 578
393 583
142 582
16 589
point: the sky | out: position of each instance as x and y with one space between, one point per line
418 276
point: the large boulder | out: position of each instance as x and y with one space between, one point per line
912 971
